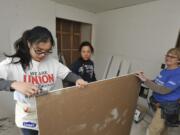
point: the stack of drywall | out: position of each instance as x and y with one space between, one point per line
116 66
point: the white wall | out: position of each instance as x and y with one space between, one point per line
18 15
79 15
86 31
141 33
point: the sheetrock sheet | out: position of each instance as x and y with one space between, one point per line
124 69
102 108
114 67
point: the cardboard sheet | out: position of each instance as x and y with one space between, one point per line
102 108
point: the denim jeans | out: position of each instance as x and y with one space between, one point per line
29 131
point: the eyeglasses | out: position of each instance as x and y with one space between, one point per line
172 57
40 52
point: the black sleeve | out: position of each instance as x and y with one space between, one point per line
5 85
72 77
74 68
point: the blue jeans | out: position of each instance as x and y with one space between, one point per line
29 131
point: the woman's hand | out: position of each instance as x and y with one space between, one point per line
27 89
141 76
81 83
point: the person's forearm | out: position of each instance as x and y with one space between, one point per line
157 88
71 77
5 85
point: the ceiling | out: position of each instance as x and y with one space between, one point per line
97 6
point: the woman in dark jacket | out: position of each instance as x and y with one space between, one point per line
84 66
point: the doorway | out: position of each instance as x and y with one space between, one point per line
69 35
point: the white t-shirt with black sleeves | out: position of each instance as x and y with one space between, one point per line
42 74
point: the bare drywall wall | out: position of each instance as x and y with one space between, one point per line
141 33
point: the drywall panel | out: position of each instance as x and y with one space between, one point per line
114 68
107 67
102 108
125 67
102 63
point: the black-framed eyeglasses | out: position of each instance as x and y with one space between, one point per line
40 52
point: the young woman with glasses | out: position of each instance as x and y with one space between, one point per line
32 70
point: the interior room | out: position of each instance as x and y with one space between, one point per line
128 36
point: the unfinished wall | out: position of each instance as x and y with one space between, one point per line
86 31
142 33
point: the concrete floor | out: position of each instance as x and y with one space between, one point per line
140 128
7 127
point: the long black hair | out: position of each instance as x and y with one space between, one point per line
35 35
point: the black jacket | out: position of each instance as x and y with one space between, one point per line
85 69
